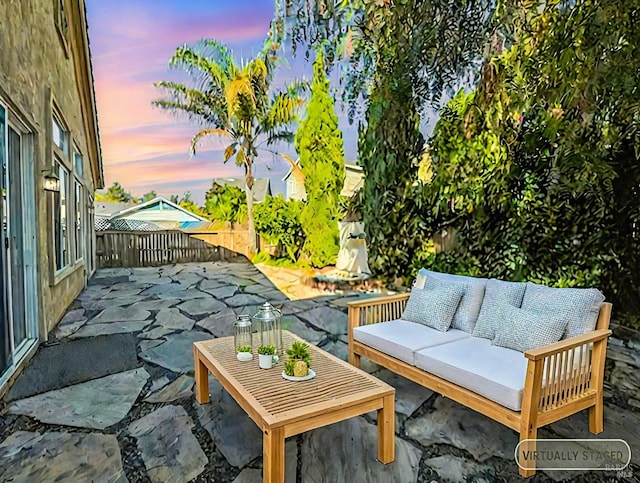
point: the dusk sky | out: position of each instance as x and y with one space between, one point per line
143 147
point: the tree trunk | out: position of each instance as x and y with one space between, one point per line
252 229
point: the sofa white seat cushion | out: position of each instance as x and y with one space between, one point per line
400 338
496 373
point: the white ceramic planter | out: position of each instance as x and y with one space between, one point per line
244 356
266 361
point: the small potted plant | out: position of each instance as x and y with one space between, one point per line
266 356
244 353
299 360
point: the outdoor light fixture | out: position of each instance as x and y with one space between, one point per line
51 180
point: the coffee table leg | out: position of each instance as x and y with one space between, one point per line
273 455
386 430
202 378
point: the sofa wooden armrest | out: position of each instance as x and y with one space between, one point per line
376 309
561 379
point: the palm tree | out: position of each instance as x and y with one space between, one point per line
233 101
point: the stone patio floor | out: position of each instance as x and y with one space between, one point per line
110 396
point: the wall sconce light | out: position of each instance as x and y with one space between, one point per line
51 180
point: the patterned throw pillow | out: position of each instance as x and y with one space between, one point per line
580 306
434 306
497 294
523 330
467 314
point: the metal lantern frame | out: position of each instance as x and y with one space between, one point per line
243 332
269 325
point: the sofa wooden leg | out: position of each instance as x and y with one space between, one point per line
528 435
354 359
596 415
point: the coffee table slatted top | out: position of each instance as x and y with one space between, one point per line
279 401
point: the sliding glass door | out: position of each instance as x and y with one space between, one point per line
5 320
18 315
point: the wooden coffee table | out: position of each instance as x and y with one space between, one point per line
284 408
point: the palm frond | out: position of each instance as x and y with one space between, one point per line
210 64
279 136
284 107
296 171
206 108
240 97
204 133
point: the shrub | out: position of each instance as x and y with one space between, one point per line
319 144
226 203
278 223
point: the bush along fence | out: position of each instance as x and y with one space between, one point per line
151 249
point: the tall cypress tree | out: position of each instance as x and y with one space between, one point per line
320 147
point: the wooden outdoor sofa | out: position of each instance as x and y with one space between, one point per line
561 379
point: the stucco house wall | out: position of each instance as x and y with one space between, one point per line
45 71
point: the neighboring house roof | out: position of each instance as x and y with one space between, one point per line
347 165
108 208
158 209
261 186
353 178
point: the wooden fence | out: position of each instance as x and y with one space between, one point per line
155 248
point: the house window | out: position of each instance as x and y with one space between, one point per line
79 224
60 219
77 163
59 135
60 17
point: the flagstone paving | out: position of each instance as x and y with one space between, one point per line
61 456
132 393
181 388
94 404
169 449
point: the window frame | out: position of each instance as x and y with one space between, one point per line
61 239
61 154
78 195
61 20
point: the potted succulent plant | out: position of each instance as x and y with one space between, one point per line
244 353
298 360
266 356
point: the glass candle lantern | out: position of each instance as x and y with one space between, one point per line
269 326
243 332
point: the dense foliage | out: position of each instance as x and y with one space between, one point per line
233 102
418 47
391 202
396 58
226 203
539 169
278 223
438 41
116 194
321 150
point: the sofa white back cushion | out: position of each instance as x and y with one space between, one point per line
467 313
496 295
580 306
435 305
522 330
401 338
496 373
